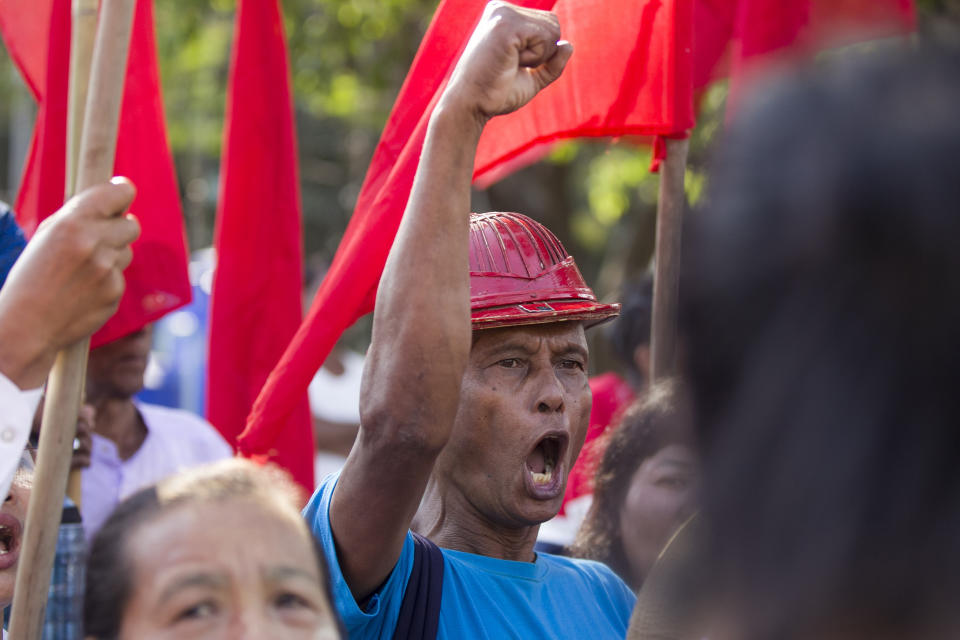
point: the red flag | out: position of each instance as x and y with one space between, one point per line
25 27
635 69
641 106
39 41
349 288
257 284
630 74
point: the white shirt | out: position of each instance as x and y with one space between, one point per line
16 420
337 398
176 440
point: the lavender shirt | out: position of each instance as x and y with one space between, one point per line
176 440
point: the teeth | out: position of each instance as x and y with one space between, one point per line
545 477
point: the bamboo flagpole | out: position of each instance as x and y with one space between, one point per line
666 279
95 165
82 32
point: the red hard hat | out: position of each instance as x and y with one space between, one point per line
521 274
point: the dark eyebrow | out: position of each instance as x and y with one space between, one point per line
575 348
506 347
213 581
682 465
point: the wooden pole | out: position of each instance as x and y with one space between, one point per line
82 32
666 278
97 149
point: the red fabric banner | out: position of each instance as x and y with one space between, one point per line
350 286
39 41
636 67
349 289
630 74
256 303
25 27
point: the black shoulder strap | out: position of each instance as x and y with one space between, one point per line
420 610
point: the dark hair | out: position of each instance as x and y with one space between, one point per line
632 328
657 420
109 571
822 309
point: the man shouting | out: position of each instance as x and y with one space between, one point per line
474 403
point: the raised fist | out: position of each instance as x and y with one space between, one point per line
513 53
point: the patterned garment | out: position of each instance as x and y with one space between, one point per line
64 615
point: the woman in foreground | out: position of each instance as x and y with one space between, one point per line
217 552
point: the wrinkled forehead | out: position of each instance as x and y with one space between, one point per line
556 336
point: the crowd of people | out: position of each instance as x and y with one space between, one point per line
798 479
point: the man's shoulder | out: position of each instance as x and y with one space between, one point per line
593 580
170 418
590 569
180 424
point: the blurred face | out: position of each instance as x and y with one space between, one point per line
660 498
116 369
523 414
13 516
232 570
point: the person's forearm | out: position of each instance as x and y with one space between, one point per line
67 281
24 359
421 334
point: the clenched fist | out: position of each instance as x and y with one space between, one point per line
67 282
512 54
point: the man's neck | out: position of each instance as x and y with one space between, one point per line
117 419
452 523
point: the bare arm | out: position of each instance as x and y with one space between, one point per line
421 328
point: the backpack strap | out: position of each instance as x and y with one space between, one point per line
420 610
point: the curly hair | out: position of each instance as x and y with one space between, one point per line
659 419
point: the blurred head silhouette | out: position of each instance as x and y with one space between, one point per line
822 314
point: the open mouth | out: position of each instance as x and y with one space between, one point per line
9 540
544 460
10 534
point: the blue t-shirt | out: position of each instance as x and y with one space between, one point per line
553 597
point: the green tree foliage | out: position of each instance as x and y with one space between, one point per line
348 59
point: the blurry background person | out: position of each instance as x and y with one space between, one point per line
216 552
645 486
823 319
612 395
135 444
334 396
630 337
63 616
